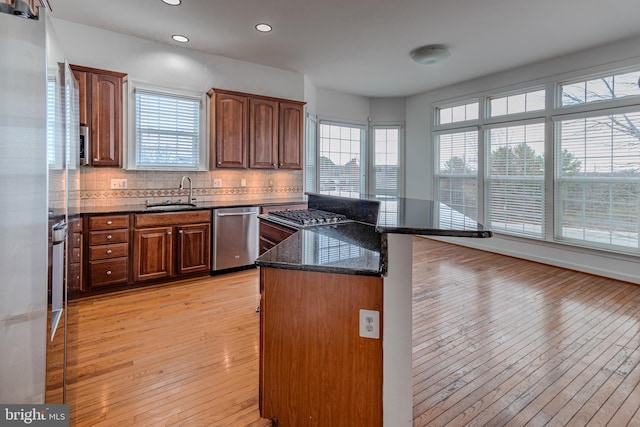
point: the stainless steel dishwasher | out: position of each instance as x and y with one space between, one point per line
235 238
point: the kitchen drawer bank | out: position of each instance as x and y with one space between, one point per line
120 254
129 249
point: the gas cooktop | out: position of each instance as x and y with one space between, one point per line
301 218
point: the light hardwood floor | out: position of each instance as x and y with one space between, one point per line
497 341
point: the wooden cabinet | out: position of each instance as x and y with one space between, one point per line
166 245
271 234
74 277
255 131
290 136
101 109
107 250
229 131
315 368
152 253
263 133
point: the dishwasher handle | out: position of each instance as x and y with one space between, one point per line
236 214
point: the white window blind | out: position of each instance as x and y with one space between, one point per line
515 179
310 153
457 171
167 131
386 160
598 181
340 159
51 122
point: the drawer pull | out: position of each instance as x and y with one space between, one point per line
109 236
109 251
109 222
108 272
168 233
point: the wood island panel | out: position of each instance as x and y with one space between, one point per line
315 369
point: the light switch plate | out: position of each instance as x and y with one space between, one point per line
370 324
119 184
243 182
217 183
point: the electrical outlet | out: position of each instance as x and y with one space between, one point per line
243 182
270 183
217 183
370 324
119 184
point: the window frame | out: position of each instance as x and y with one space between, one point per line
371 175
551 115
130 160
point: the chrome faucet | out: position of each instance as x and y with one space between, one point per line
190 199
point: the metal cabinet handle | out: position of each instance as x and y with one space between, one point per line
109 237
168 233
274 164
109 222
219 163
108 272
109 251
180 231
95 159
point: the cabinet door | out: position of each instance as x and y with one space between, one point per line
263 133
290 138
152 253
106 120
230 122
83 95
194 242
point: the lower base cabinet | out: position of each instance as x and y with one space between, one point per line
315 368
171 244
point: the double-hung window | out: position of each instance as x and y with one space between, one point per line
597 174
167 131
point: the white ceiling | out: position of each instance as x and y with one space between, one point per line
362 46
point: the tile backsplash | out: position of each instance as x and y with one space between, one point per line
158 187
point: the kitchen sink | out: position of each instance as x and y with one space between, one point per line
170 206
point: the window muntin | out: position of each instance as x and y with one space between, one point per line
458 113
386 160
457 171
598 180
515 179
518 103
603 88
167 131
340 159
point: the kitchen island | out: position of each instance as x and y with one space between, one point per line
336 312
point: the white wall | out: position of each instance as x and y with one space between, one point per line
172 66
341 106
419 175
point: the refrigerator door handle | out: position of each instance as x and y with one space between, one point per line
58 237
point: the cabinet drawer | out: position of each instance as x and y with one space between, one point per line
75 255
265 245
108 272
107 237
76 240
109 222
274 233
173 218
108 251
75 225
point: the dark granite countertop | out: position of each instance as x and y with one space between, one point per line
126 209
359 247
401 215
345 248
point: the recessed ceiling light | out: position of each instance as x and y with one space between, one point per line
172 2
263 28
179 38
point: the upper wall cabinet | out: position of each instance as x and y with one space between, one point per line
101 110
255 131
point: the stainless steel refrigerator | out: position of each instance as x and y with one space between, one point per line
34 195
